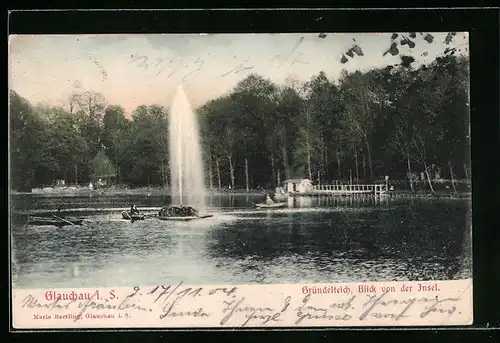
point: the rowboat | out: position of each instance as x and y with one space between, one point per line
184 219
275 205
132 217
56 221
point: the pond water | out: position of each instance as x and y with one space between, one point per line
313 240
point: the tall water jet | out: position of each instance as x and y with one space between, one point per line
186 165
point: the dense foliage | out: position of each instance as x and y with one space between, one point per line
397 121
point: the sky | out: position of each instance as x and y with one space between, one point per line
132 70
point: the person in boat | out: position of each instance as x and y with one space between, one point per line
162 211
269 201
134 210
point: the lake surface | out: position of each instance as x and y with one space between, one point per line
324 239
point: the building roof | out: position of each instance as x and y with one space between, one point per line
296 180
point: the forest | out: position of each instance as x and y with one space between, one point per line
409 123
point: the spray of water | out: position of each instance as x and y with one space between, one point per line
186 165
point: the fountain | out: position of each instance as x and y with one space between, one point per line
186 165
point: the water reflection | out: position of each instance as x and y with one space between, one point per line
313 240
405 242
339 201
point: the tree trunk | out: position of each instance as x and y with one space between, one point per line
309 170
357 165
338 164
308 151
217 165
319 177
163 173
350 176
76 174
285 162
410 178
452 178
369 157
246 175
428 177
364 167
279 177
273 180
322 168
210 172
325 175
231 170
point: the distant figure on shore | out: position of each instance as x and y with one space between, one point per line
134 210
269 201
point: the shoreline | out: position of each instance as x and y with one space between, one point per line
134 191
255 192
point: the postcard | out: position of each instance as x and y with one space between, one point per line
240 180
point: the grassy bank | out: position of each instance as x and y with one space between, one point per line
400 188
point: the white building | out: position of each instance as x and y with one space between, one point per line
300 186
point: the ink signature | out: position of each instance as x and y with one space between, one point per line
376 303
101 69
292 57
91 304
189 68
230 306
174 65
264 315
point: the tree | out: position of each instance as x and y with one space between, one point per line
361 96
69 149
404 118
282 127
90 113
398 119
147 156
32 162
222 123
324 114
454 118
255 101
115 136
102 167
